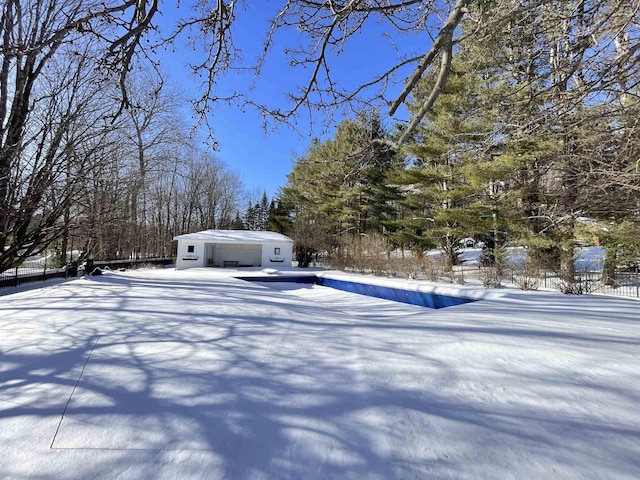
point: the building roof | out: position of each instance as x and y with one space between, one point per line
234 236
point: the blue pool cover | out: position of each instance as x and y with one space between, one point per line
423 299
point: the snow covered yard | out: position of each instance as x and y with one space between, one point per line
194 374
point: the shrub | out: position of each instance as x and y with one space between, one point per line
526 272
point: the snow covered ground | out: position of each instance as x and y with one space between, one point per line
163 374
589 259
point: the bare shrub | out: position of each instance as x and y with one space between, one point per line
363 253
433 268
570 281
339 261
378 264
576 285
490 277
500 260
376 249
310 239
408 267
526 273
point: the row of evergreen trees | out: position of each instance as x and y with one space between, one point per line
527 136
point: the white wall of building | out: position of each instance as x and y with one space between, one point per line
271 257
268 254
187 259
242 248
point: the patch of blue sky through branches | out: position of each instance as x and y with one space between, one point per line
261 151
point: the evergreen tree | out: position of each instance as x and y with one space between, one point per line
263 213
342 180
557 129
281 215
249 220
441 206
256 216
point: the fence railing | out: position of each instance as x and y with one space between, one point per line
625 284
21 275
38 271
621 283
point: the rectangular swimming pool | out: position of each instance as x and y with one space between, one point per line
423 299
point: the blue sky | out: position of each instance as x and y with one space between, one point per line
264 158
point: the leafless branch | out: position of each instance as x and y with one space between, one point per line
444 40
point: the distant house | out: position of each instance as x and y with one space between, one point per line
233 248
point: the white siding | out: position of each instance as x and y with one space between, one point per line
188 259
271 259
214 248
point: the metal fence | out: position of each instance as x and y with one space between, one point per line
622 283
34 272
38 270
16 277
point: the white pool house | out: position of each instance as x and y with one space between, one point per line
233 248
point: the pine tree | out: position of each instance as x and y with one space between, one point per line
238 223
559 150
263 213
341 181
281 215
249 220
440 205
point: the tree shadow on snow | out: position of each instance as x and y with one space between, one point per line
233 380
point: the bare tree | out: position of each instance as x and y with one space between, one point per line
213 191
592 49
44 46
152 126
326 28
45 169
601 36
194 191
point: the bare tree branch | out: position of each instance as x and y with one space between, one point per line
443 41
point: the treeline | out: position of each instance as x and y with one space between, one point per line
524 118
535 127
76 174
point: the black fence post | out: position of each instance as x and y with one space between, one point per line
72 269
88 266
